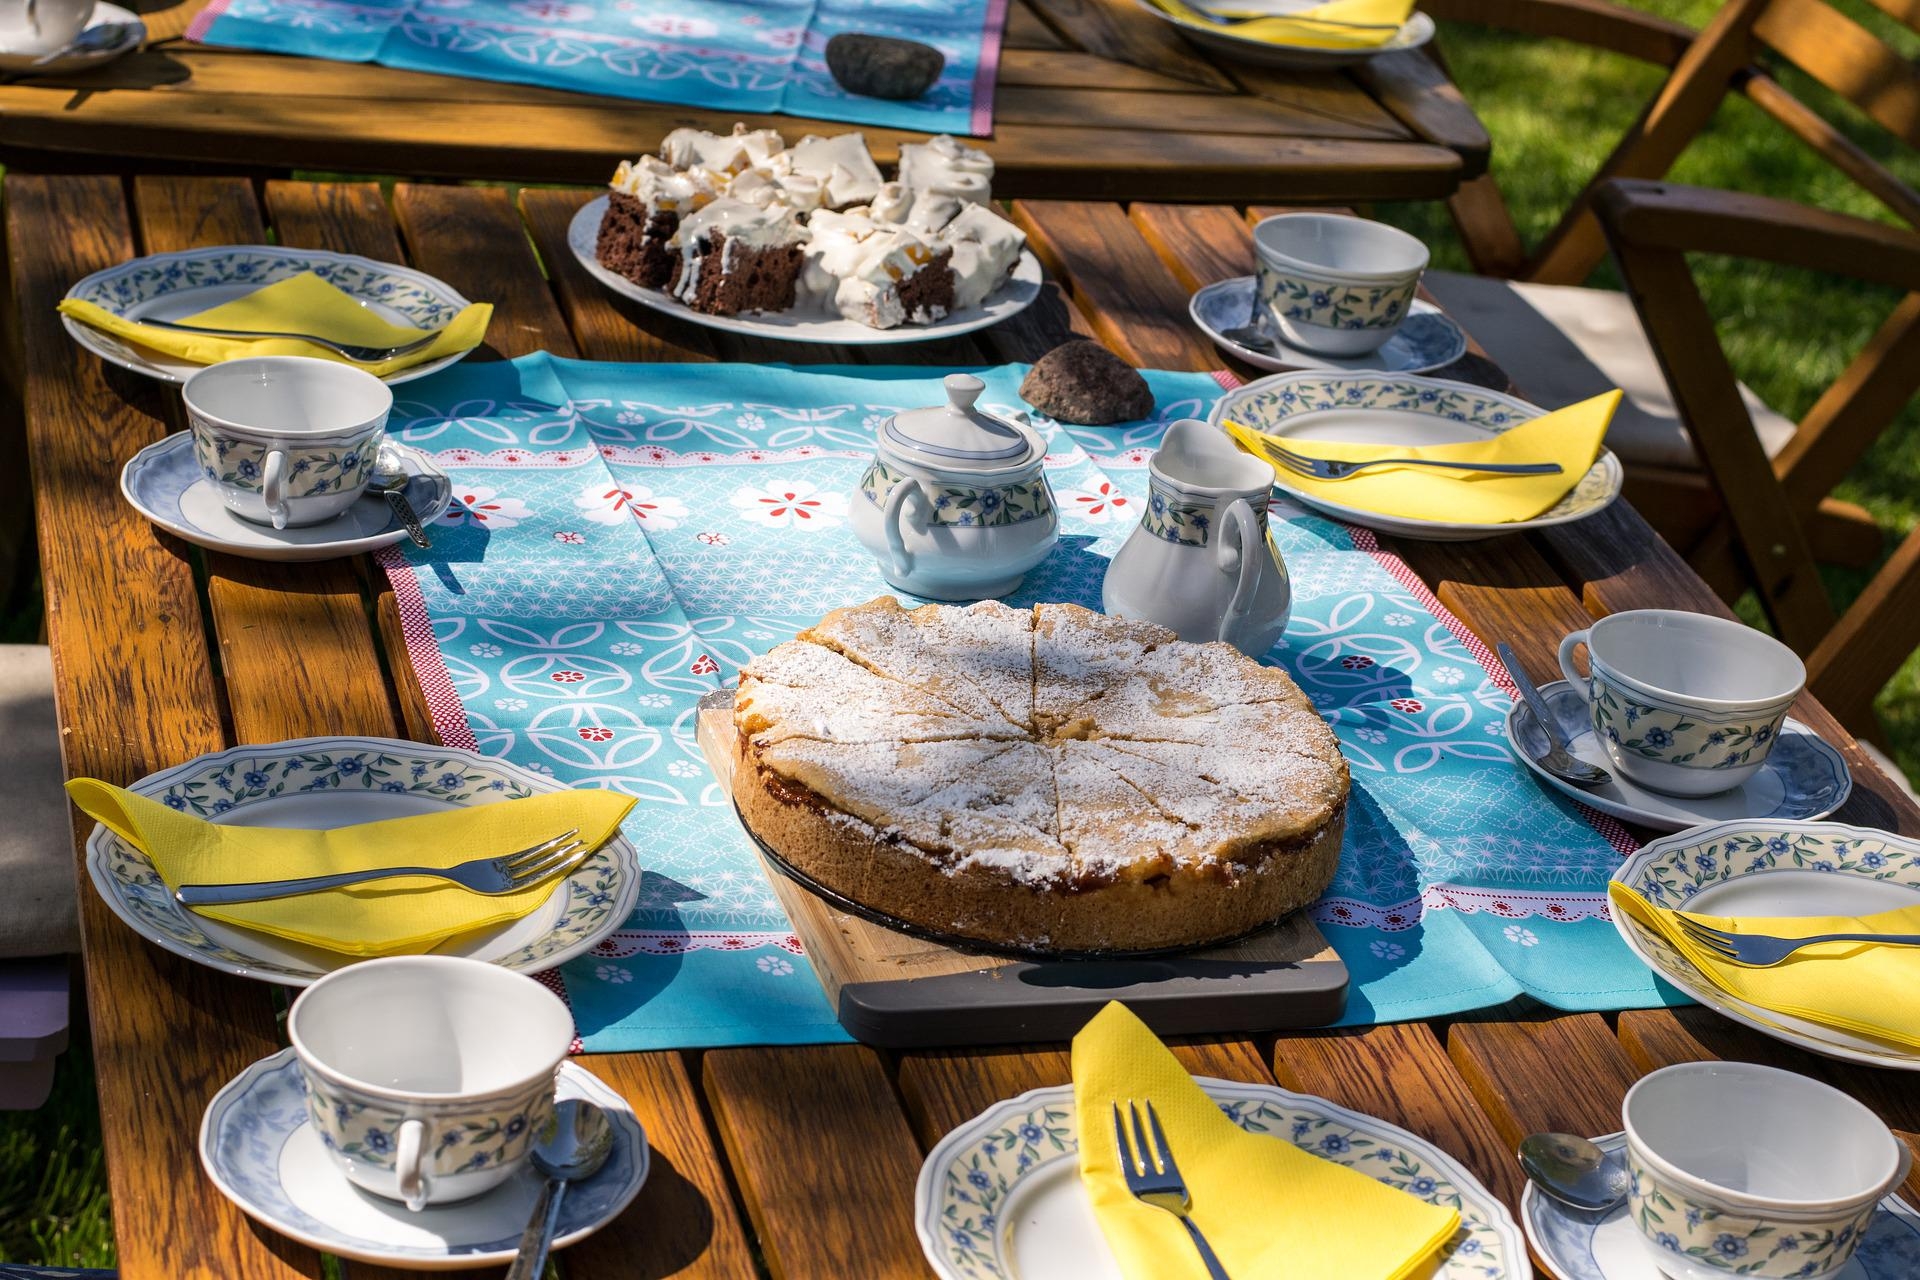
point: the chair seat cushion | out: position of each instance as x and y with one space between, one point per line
37 915
1561 344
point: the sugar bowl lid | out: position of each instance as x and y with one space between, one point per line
957 436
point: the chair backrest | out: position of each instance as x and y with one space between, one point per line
1728 56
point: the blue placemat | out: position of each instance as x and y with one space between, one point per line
628 535
723 55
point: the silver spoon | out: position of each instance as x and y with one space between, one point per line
1558 761
1255 334
1573 1171
108 35
390 480
574 1144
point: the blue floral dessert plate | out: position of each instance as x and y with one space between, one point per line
1000 1198
172 286
1395 409
164 484
1803 777
1773 867
1572 1245
262 1151
1425 341
322 783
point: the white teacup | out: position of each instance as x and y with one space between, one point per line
41 26
428 1076
1684 703
1740 1169
287 440
1335 284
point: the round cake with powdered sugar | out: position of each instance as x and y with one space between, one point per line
1046 779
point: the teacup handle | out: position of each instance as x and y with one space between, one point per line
1567 647
273 487
1241 556
895 513
409 1162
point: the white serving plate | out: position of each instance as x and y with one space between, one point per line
323 783
1015 1167
170 286
1770 871
1390 409
806 326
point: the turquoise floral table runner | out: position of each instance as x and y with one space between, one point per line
723 55
627 536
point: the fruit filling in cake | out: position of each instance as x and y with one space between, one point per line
740 223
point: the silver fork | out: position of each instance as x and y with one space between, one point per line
352 351
1761 950
1327 469
556 857
1156 1180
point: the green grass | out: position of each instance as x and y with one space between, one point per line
1554 111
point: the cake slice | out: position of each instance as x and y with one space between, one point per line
947 166
733 256
809 691
986 248
648 199
880 274
978 659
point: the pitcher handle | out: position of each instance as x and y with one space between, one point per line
895 513
1567 647
1239 555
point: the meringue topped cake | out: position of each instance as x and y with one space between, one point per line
1039 780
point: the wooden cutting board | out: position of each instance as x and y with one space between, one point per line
891 988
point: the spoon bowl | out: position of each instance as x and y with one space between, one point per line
572 1146
1559 761
1573 1171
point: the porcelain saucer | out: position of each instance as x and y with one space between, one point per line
263 1153
164 485
1425 341
135 35
1572 1245
1804 778
1000 1197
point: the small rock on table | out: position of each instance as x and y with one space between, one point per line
883 67
1084 383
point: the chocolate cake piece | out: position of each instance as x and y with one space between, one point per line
732 257
633 241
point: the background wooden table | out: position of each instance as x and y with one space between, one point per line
796 1161
1096 98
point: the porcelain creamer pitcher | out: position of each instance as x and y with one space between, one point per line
1201 562
955 505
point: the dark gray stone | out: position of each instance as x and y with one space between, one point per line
1084 383
882 67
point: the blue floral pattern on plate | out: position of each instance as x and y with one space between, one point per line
1607 1246
590 904
243 1146
974 1170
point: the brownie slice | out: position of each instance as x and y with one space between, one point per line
927 294
633 241
730 277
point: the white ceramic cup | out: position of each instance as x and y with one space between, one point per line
41 26
1684 703
1334 284
287 440
1740 1169
428 1076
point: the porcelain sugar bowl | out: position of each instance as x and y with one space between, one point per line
1201 561
955 504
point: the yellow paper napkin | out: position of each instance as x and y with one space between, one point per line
1571 437
384 917
1267 1207
1366 23
299 304
1864 988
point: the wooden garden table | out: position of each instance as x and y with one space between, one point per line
1096 98
799 1161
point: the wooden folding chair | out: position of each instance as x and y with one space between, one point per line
1651 226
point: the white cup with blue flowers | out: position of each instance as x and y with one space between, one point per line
1735 1169
1684 703
428 1077
1334 284
287 440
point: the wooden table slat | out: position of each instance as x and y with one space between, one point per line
1123 32
1561 1074
134 681
825 1159
472 238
